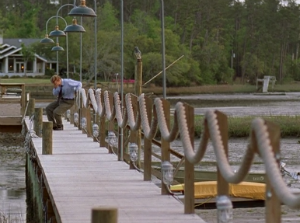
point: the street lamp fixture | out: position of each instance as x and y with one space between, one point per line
82 10
57 48
57 32
74 27
47 40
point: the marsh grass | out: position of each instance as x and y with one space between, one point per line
201 89
220 89
241 126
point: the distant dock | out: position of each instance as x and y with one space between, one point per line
12 106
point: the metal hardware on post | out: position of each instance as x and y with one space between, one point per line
224 208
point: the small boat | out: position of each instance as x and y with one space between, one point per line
208 189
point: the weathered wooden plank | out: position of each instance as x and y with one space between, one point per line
5 120
80 176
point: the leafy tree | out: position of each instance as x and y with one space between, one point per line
28 55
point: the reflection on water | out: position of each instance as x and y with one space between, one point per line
12 178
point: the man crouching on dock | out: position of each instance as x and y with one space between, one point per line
65 90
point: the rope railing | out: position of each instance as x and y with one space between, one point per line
262 140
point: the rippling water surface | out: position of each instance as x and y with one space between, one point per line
12 178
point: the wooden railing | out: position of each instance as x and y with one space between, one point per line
147 115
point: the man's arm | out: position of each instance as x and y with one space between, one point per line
76 84
56 91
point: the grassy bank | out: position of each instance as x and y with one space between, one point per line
241 126
203 89
238 126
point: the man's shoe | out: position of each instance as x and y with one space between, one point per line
59 127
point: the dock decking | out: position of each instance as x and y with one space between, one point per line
80 175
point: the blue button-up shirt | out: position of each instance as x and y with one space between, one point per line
69 87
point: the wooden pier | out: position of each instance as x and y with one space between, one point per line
80 175
12 106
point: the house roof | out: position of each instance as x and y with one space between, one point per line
9 53
18 41
11 46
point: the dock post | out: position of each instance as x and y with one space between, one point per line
31 106
72 115
88 122
138 92
105 215
83 124
148 144
189 167
38 121
272 201
222 184
47 138
165 145
102 132
23 99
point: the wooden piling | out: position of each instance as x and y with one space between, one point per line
222 184
72 115
47 138
165 145
148 144
272 201
189 167
38 121
30 108
105 215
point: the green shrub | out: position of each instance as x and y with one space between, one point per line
15 76
49 72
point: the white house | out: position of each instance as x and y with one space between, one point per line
12 61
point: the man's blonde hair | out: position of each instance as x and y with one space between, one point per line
54 78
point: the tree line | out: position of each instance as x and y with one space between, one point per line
221 40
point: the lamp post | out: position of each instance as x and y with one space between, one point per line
71 28
58 33
138 92
84 11
47 40
163 49
121 131
55 33
77 28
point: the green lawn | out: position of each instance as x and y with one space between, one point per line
203 89
25 80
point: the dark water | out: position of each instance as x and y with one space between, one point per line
12 178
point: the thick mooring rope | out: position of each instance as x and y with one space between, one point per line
210 131
149 132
